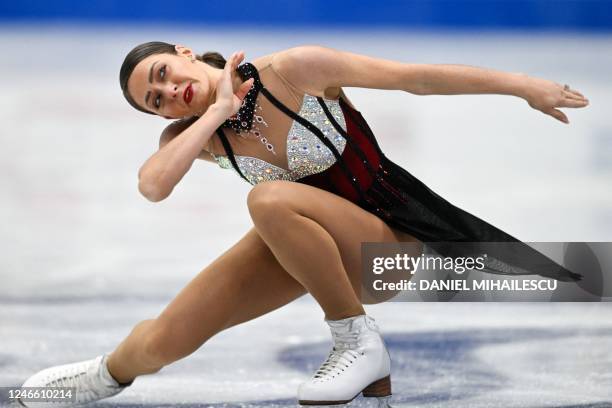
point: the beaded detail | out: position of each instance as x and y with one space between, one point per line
306 154
257 170
243 120
223 161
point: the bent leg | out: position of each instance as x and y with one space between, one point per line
316 236
244 282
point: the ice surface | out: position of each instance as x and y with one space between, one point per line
78 241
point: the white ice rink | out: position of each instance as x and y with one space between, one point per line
85 257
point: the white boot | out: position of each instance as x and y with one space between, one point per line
358 362
90 378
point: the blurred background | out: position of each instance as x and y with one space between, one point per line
85 256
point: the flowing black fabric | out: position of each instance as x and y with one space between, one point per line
365 176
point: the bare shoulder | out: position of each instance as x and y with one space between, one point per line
324 71
174 129
302 67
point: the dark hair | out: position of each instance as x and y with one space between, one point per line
144 50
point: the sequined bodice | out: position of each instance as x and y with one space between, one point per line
306 154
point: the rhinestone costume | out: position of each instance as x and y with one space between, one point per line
247 120
306 154
330 146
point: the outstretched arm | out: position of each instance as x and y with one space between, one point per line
314 68
541 94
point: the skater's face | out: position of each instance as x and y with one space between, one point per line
172 85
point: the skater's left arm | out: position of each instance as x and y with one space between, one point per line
316 68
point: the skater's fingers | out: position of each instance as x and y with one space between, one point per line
575 92
245 87
557 114
569 95
568 102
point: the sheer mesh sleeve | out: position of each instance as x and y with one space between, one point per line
295 92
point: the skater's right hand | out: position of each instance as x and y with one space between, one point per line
228 101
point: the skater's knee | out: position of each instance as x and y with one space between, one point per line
265 200
162 345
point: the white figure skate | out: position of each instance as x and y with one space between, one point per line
358 363
90 378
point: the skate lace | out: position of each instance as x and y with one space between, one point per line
83 380
342 355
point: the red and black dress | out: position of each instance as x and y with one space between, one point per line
330 146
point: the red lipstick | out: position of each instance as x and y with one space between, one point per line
188 94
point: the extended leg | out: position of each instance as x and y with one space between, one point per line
244 282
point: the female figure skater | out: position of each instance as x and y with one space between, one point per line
321 187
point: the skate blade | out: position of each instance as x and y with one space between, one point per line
379 388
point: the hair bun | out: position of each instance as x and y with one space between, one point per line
212 58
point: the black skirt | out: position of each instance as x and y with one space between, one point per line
364 175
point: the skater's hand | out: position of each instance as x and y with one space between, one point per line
546 96
227 101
